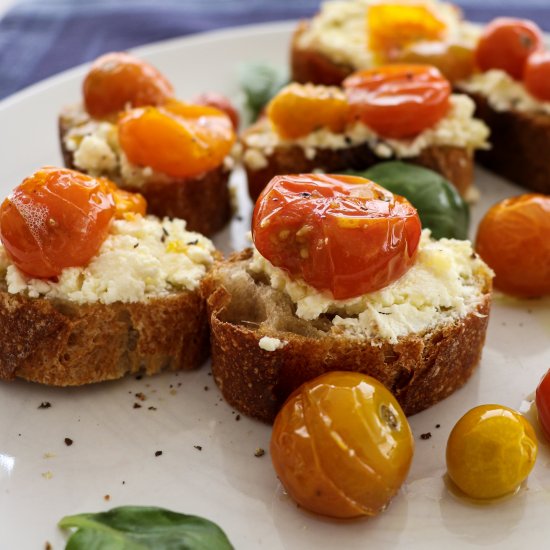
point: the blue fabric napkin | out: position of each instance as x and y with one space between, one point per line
39 38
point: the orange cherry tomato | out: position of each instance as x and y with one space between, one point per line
299 109
117 80
341 445
394 26
506 44
178 139
343 234
219 101
56 218
125 201
514 239
536 75
542 400
398 101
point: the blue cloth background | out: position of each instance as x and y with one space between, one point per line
39 38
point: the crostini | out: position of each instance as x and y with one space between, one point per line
91 289
341 277
394 111
131 129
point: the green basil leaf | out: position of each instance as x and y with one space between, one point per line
439 205
259 83
143 528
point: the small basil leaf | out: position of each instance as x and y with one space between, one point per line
259 83
439 204
143 528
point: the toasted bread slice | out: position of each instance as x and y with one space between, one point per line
420 369
203 201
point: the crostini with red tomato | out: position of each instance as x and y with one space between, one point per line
91 289
394 111
342 277
131 129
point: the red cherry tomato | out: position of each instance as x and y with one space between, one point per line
506 44
542 400
219 101
514 239
343 234
536 75
56 218
117 80
341 445
178 139
398 101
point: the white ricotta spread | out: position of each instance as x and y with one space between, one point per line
503 92
339 30
457 128
271 344
444 284
141 258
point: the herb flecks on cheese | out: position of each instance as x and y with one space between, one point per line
141 258
445 284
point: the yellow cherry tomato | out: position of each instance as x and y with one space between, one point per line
341 445
491 451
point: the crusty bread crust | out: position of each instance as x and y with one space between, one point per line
60 343
453 163
520 145
308 65
203 201
420 370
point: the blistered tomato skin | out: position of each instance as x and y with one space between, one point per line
342 234
536 75
506 44
56 218
177 139
342 446
542 400
398 101
490 452
513 238
118 80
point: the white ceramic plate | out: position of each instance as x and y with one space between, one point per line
43 479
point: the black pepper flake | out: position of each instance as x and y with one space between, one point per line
193 243
206 388
137 406
123 483
198 447
45 405
238 417
348 140
165 232
305 195
438 425
141 396
151 408
158 453
139 376
136 245
68 441
239 218
427 435
259 452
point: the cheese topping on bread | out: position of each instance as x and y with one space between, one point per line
141 258
339 30
457 128
447 282
504 93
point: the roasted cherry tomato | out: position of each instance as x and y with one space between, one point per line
506 44
299 109
394 26
118 80
398 101
341 445
536 75
178 139
542 400
514 239
455 61
56 218
125 201
219 101
491 451
343 234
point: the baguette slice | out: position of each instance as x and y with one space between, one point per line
520 145
420 369
60 343
203 201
